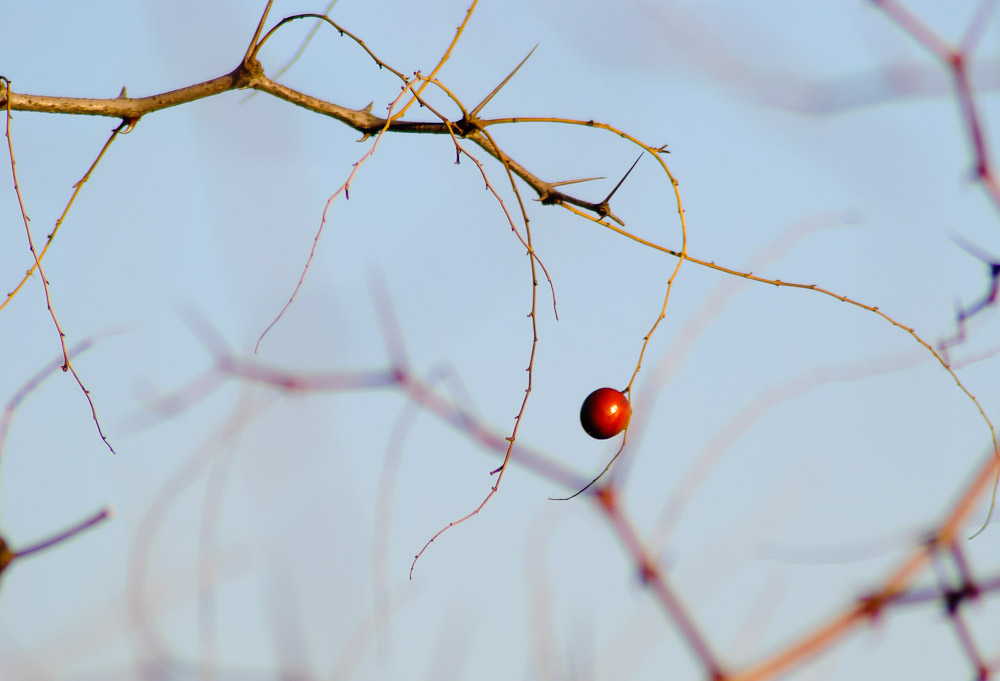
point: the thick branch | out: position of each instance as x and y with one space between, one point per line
251 76
362 120
127 108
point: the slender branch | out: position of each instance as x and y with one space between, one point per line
77 187
98 517
444 58
67 365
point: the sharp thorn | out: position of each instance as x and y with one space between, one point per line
608 197
565 182
479 107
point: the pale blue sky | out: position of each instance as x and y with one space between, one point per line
213 206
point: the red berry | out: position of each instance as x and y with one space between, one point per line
605 413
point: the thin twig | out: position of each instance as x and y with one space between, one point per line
67 364
100 516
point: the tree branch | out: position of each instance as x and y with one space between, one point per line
128 108
251 75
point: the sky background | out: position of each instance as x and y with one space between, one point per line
838 440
